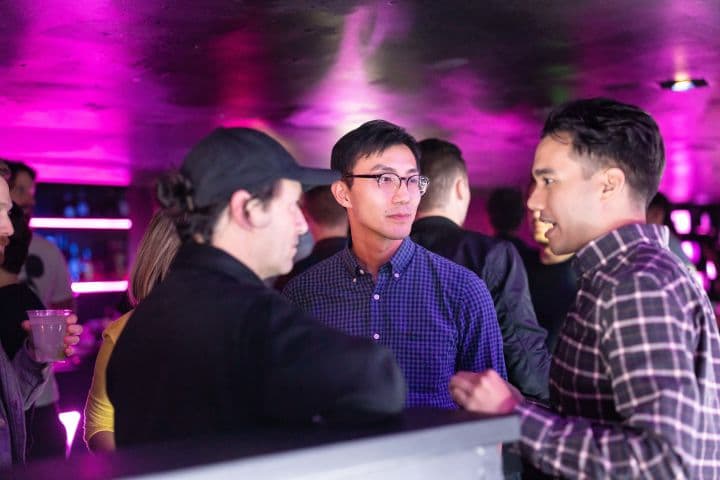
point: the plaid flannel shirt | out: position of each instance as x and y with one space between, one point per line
634 378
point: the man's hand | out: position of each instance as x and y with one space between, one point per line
72 336
485 392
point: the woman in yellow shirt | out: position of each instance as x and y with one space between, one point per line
156 251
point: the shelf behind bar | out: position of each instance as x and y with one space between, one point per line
98 287
82 223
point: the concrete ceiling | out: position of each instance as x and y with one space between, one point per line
114 91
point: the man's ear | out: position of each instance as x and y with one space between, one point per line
612 182
461 189
242 209
341 192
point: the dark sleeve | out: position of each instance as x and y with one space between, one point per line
526 356
312 370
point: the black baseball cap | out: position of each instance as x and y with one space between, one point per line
231 159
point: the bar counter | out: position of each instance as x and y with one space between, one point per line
421 443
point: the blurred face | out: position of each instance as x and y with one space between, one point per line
281 233
381 213
564 197
23 193
6 228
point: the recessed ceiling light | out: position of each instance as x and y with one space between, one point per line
684 85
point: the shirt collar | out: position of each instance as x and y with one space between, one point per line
399 261
602 250
207 257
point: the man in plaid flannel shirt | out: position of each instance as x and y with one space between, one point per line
635 376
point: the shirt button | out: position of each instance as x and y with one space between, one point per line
376 296
362 272
376 336
354 280
396 275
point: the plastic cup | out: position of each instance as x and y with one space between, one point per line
48 329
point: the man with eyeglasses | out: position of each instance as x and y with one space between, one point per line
437 317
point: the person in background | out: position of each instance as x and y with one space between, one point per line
553 283
658 213
156 251
50 280
45 432
21 378
328 226
49 277
435 315
212 350
438 227
634 382
506 211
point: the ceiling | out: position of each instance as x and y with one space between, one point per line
114 91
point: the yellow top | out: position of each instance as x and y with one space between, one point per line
99 412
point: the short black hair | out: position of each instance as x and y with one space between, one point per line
369 138
610 133
320 205
442 162
506 209
16 251
18 167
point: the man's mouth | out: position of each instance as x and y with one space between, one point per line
548 221
400 216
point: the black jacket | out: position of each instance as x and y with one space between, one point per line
213 350
499 265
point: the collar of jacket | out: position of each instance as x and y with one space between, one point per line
432 223
206 257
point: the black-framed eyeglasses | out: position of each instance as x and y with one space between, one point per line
390 182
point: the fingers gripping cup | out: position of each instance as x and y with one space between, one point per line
48 329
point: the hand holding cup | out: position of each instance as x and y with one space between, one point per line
52 334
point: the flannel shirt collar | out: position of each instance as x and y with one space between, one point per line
601 251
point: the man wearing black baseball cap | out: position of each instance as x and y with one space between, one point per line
212 349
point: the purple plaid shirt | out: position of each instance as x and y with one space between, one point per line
634 377
436 316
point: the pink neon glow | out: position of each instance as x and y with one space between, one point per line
711 270
98 287
70 421
82 172
705 227
691 249
82 223
681 221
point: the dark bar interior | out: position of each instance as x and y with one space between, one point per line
102 98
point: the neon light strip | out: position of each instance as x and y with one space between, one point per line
70 421
82 223
97 287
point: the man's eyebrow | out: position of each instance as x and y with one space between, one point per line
382 166
543 171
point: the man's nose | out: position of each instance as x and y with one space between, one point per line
402 193
301 223
6 228
535 202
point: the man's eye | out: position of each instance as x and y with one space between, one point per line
386 179
548 181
